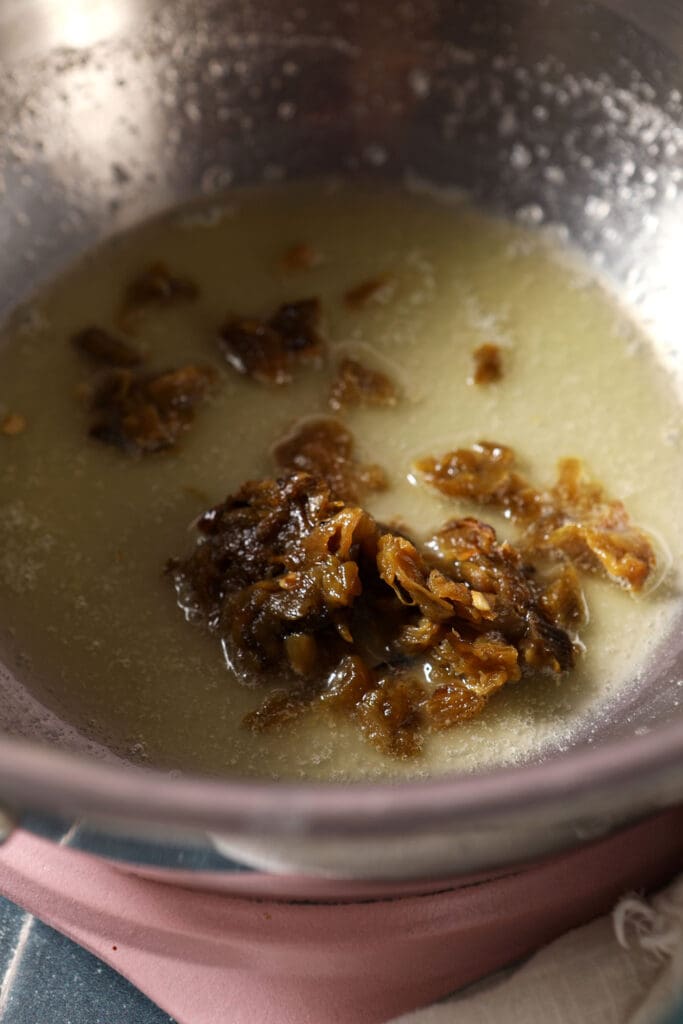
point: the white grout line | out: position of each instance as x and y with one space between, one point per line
70 833
24 932
10 973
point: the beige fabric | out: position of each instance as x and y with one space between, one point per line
627 969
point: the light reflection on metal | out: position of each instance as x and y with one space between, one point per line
81 23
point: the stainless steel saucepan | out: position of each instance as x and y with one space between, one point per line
560 114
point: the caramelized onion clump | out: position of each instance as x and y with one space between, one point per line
307 591
141 413
572 521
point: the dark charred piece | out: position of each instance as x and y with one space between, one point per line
142 413
270 350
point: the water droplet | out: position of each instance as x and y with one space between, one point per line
507 125
375 154
192 112
555 175
531 214
286 110
597 208
520 156
420 83
215 68
215 179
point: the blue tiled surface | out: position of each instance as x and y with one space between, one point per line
47 979
676 1015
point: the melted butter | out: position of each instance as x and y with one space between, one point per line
85 531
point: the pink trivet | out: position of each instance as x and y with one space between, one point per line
209 958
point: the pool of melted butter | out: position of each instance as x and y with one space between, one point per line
86 615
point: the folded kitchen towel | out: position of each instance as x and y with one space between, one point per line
623 969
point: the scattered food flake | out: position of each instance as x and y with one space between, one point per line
574 520
141 413
155 286
324 447
488 364
13 424
269 350
256 350
104 348
300 257
375 289
357 384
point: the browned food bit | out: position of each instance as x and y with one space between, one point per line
451 704
157 286
356 384
483 664
300 257
141 413
416 637
499 582
375 289
280 708
348 683
104 348
255 350
574 519
269 350
279 560
563 602
592 530
388 709
324 447
484 474
297 324
488 364
402 567
247 538
545 645
13 424
302 653
391 715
